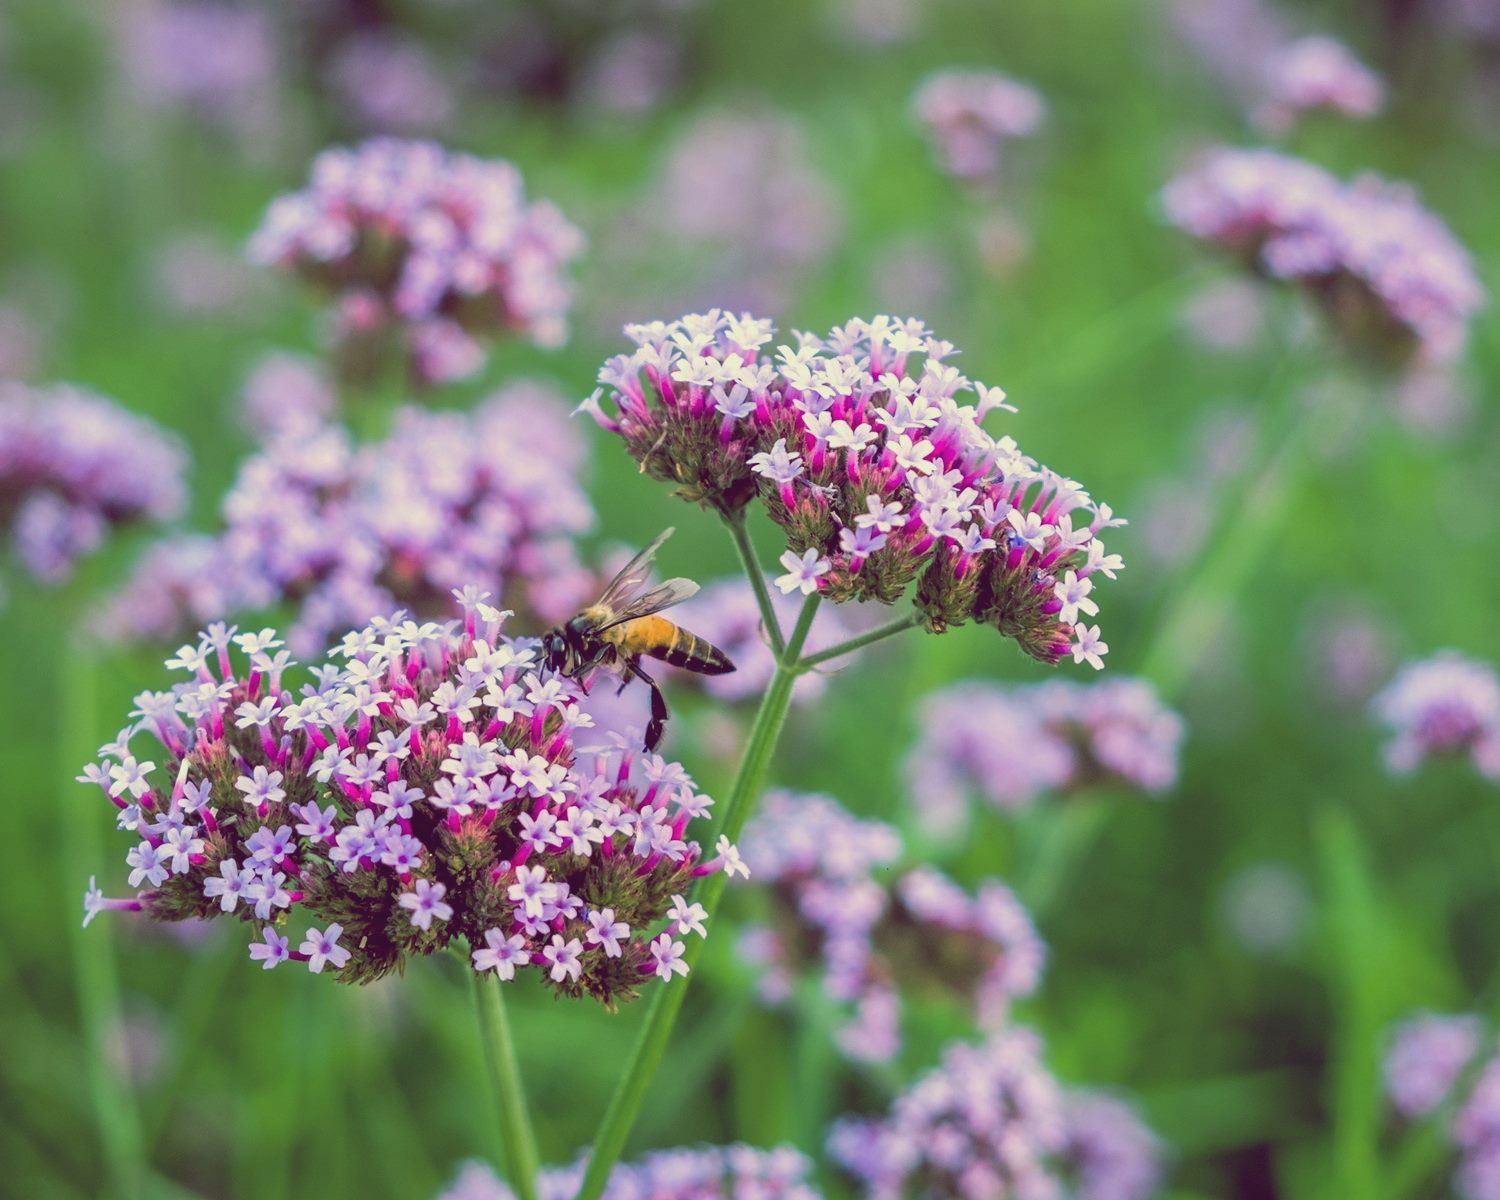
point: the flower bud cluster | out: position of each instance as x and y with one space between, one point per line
1441 707
860 450
1388 274
435 248
1013 745
436 781
346 532
839 902
74 465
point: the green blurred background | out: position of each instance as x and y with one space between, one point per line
1253 1055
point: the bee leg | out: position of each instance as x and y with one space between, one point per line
659 712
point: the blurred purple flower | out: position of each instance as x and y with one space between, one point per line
1228 314
197 275
1013 745
1388 274
992 1122
969 116
346 532
389 84
1312 74
877 473
73 465
218 60
1442 706
697 1173
1107 1152
1427 1053
436 782
830 878
428 244
287 395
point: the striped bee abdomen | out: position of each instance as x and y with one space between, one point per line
660 638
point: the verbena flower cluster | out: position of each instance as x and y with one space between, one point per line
1314 74
991 1123
1013 745
969 116
839 901
1388 273
860 450
1435 1060
1426 1055
287 395
346 532
74 465
1442 706
437 781
432 248
695 1173
726 613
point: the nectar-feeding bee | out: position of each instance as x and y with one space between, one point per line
622 626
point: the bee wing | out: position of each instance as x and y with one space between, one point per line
632 577
674 591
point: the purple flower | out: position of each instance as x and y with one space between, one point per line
1314 73
347 532
970 115
389 84
1388 274
1012 745
1442 706
837 429
1427 1053
989 1121
1107 1153
418 237
418 767
287 395
835 898
696 1173
74 465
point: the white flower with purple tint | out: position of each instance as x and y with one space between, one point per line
322 948
425 903
803 572
271 950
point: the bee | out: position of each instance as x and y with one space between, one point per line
621 627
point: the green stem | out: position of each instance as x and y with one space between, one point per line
651 1045
879 633
518 1140
94 968
757 578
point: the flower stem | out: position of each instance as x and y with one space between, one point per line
741 536
879 633
651 1046
94 969
517 1138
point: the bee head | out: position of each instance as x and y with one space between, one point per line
558 652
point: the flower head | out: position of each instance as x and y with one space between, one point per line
883 481
1425 1057
73 466
992 1121
348 532
415 241
691 1173
1388 274
1312 74
836 899
969 116
1442 706
1012 745
399 799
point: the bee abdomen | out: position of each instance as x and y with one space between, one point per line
692 653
